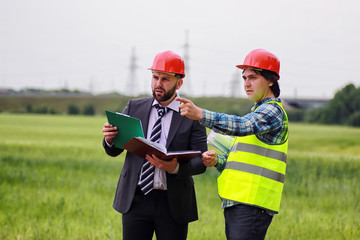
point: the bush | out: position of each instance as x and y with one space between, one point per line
41 110
354 119
73 110
89 110
343 109
53 111
29 108
297 115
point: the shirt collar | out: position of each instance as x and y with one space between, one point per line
174 105
265 101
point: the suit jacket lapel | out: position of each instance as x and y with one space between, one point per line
145 109
175 124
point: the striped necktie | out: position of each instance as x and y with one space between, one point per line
147 171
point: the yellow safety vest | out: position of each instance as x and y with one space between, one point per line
254 172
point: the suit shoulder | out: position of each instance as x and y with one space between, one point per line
139 101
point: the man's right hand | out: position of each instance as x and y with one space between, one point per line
189 109
109 132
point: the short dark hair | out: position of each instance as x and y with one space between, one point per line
271 77
178 75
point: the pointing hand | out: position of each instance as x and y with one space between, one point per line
189 109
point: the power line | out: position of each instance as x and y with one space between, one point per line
132 82
235 85
187 84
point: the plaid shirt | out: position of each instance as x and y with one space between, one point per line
266 123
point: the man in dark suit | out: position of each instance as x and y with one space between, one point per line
166 204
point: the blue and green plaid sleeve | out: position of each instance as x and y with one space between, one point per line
221 161
267 119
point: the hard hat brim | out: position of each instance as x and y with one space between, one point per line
170 73
255 68
243 66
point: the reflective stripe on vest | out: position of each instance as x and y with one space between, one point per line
254 172
245 147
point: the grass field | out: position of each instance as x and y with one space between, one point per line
56 182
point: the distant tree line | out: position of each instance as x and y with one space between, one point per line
87 110
52 92
343 109
71 110
42 92
39 110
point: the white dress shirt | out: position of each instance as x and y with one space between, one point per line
160 174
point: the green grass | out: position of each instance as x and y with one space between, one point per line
56 182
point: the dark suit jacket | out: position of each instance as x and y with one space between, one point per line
184 134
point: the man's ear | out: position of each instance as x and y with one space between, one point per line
179 83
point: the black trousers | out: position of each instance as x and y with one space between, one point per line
243 222
149 214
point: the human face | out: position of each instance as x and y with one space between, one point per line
257 88
164 87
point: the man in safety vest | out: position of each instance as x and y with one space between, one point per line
252 172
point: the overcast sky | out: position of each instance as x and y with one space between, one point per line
87 44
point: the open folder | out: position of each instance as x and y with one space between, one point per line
142 147
131 137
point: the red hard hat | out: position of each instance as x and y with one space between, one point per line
169 62
260 58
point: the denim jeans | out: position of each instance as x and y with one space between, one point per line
246 222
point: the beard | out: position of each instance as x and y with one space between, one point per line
167 94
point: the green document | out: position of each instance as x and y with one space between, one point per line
128 127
